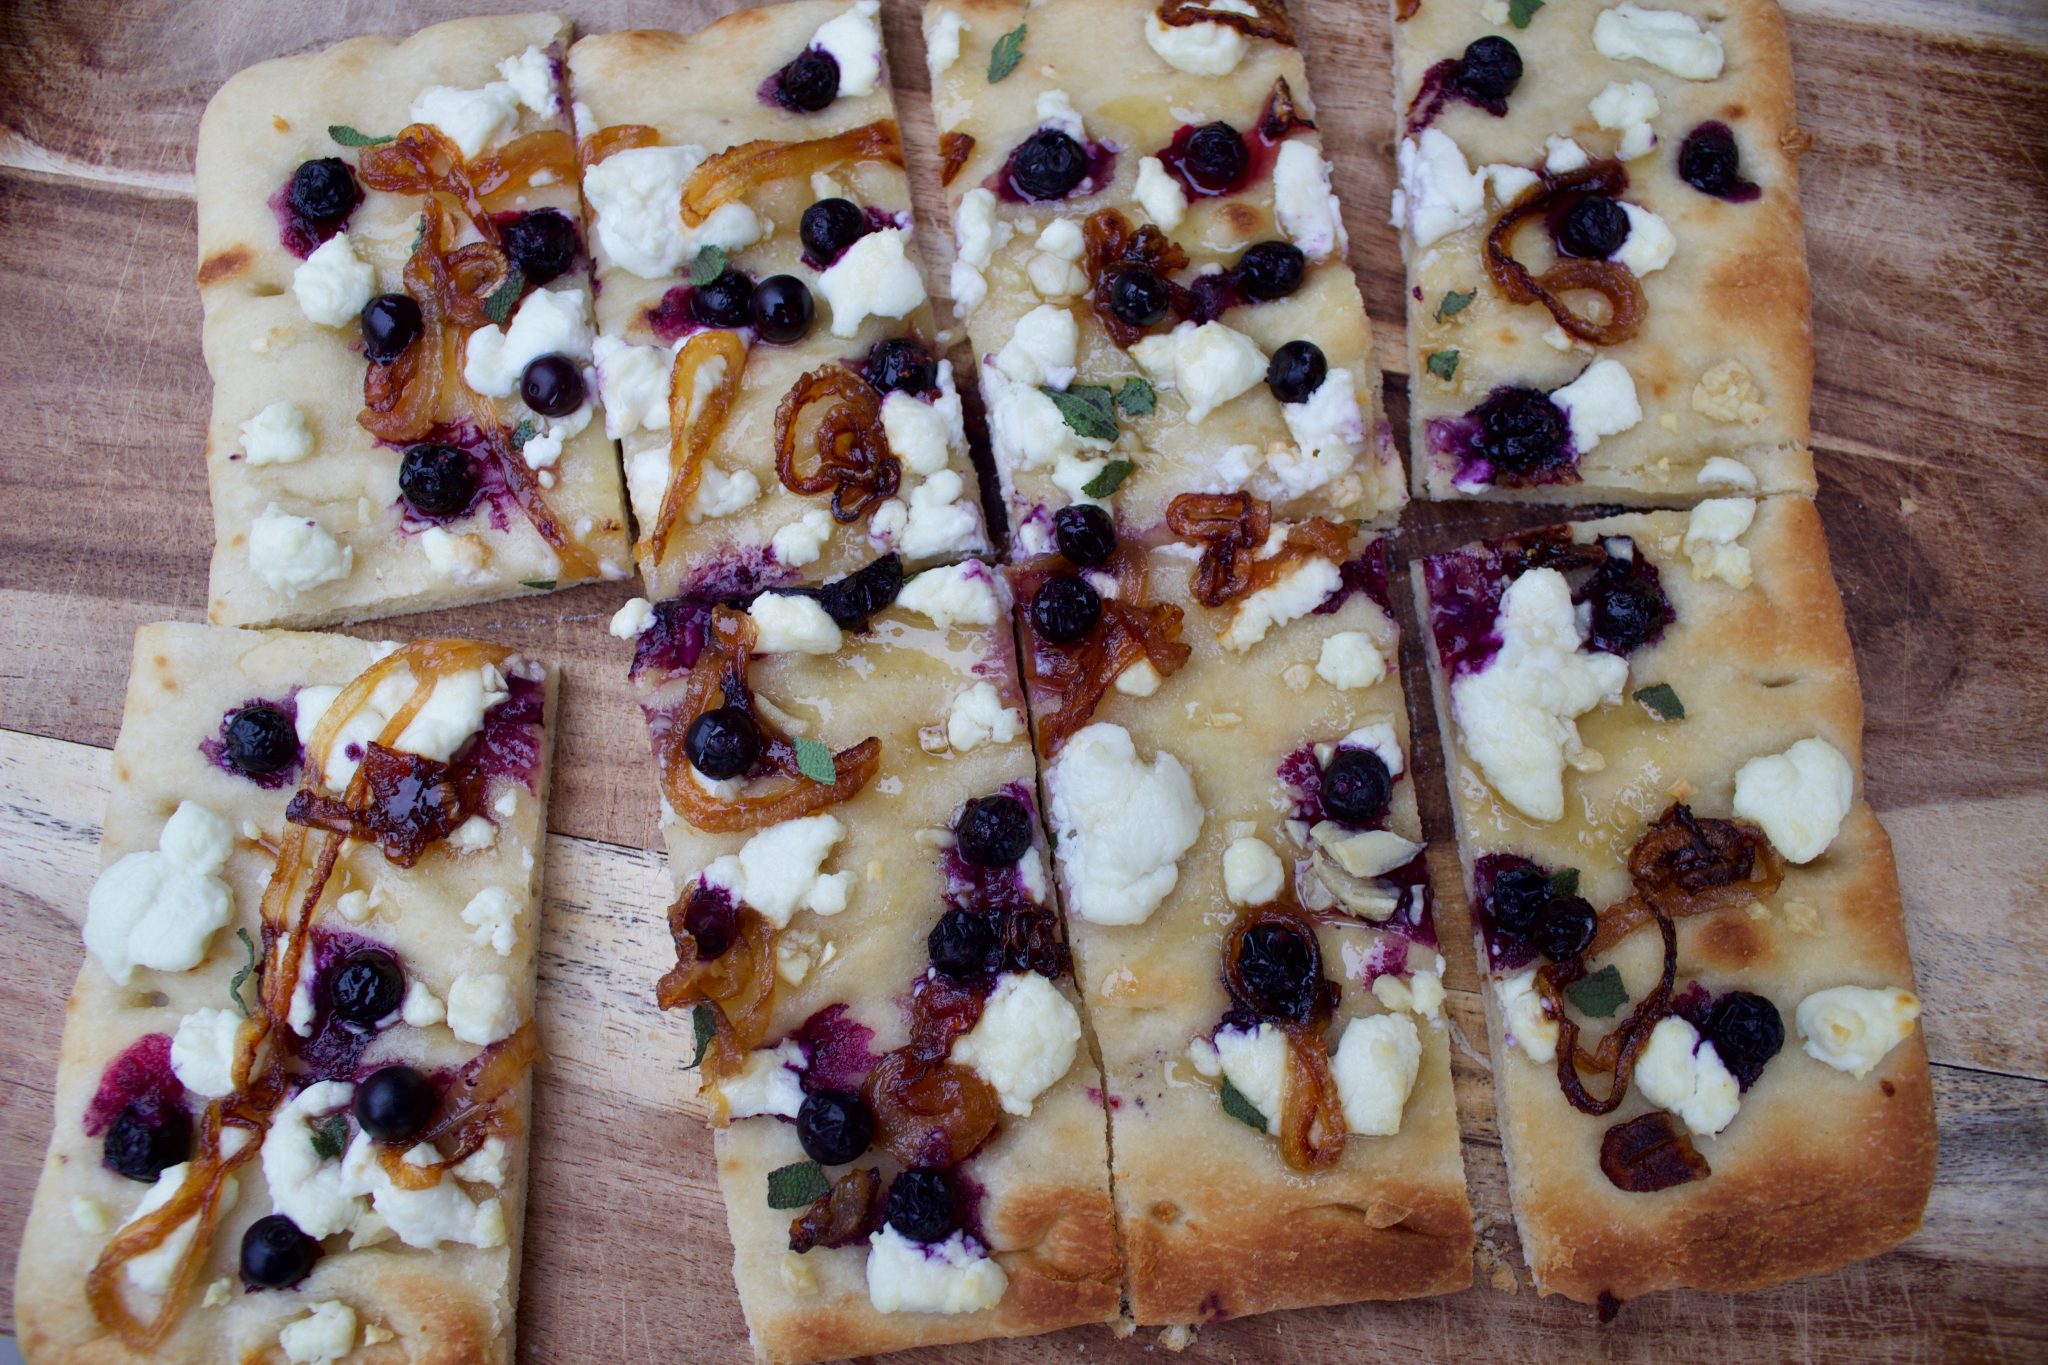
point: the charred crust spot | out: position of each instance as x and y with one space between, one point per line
1731 941
1888 1088
1166 1211
222 264
1240 218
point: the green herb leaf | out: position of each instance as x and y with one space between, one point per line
1454 304
1564 882
814 760
330 1137
1109 480
235 986
1137 398
1443 364
796 1186
505 297
1240 1108
539 584
1662 699
419 235
349 137
706 1026
523 433
1008 51
708 266
1600 994
1520 12
1088 408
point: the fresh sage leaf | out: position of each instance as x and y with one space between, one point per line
1599 995
350 137
1008 51
1087 408
796 1186
523 433
1109 480
1520 12
814 760
1137 397
330 1137
1564 882
708 266
505 297
706 1026
1443 364
1240 1108
235 985
1454 304
1662 699
538 584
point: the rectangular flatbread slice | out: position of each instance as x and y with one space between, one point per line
880 981
1651 722
1633 170
709 157
1143 229
1241 864
258 986
391 263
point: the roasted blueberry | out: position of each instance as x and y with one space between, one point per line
960 944
1271 270
261 740
782 309
1565 928
851 600
146 1140
1710 162
1593 227
712 920
543 244
830 226
1489 70
437 480
808 83
367 985
1357 787
324 192
1066 609
1626 603
1085 533
1519 429
552 386
393 1103
1139 297
1277 968
275 1254
920 1205
1517 898
993 831
727 301
833 1126
391 322
723 742
1216 158
1048 165
1296 371
1747 1031
902 365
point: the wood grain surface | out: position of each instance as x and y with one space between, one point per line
1926 195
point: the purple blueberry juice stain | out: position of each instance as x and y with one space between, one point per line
1260 153
494 495
140 1076
508 742
1506 951
215 749
296 234
1101 170
1366 573
671 318
1692 1004
839 1051
1440 85
1464 588
974 887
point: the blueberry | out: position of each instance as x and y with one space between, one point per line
1356 787
261 740
1747 1031
1065 610
1048 165
782 309
1216 158
367 986
391 322
725 302
324 192
851 600
1278 967
1139 297
830 226
1628 607
993 831
275 1254
1517 897
1489 70
437 480
395 1102
920 1205
960 944
1296 371
1519 429
1710 162
834 1126
808 83
1085 534
1271 270
1565 928
146 1140
722 743
711 918
902 365
1594 227
543 244
552 386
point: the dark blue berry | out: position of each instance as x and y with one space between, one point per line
830 226
1356 787
808 83
366 986
1746 1031
324 192
993 831
1271 270
920 1205
261 740
902 365
782 309
543 244
851 600
552 386
391 322
1085 533
147 1139
1519 429
1216 158
1296 371
437 480
394 1103
961 944
1048 165
723 743
834 1126
1490 69
1565 928
1139 297
727 301
1066 609
1593 227
275 1254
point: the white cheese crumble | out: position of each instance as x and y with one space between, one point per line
160 908
953 1276
1666 38
459 557
482 1008
276 435
1711 536
722 492
635 196
1600 402
1438 194
532 77
423 1218
549 322
1527 1023
1629 107
452 712
1350 659
634 381
942 518
203 1051
942 41
1209 364
1141 679
487 1165
952 595
1303 202
979 717
785 623
1025 426
1720 471
633 620
1055 110
1508 182
777 872
333 284
1160 195
493 917
1024 1041
770 1081
1563 155
1200 49
1649 244
473 835
1042 347
470 118
1305 588
1681 1073
855 42
802 541
1799 797
1328 428
294 554
1252 874
1375 1067
874 278
326 1333
1851 1028
1381 738
925 435
1054 267
1254 1061
976 235
422 1008
1123 824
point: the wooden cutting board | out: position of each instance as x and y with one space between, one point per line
1927 215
